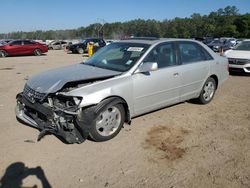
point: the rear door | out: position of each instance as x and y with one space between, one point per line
159 88
194 69
28 47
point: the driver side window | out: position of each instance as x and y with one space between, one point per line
163 54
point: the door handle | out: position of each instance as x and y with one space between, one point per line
176 74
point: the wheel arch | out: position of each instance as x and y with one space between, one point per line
115 100
37 49
5 52
215 79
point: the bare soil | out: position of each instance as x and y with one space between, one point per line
185 145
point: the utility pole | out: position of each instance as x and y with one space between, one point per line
102 22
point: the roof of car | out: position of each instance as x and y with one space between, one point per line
151 40
21 40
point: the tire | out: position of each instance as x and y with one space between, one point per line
37 52
3 53
80 50
108 123
207 92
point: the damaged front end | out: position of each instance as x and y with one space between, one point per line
53 113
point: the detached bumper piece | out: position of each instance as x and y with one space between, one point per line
48 121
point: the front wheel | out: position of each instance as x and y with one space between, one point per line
37 52
3 53
207 92
108 123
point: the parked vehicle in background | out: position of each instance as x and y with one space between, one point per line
231 41
122 80
4 41
239 57
22 47
239 41
57 45
205 40
109 41
222 44
82 46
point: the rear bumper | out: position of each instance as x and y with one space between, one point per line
28 112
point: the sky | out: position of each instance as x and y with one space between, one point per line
31 15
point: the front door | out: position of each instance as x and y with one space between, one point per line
157 89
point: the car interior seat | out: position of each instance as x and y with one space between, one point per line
165 58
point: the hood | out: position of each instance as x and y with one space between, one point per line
240 54
53 80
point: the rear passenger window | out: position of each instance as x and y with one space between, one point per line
15 43
191 52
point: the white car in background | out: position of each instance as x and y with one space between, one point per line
109 41
239 57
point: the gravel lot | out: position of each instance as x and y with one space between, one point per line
186 145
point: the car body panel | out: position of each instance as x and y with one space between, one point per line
53 80
57 45
239 54
239 60
18 47
162 89
192 78
74 47
96 92
141 92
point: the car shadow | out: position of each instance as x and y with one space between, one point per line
17 172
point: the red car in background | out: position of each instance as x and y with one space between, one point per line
23 47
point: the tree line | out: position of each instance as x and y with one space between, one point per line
225 22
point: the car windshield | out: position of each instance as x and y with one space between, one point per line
2 43
118 56
244 46
82 41
215 41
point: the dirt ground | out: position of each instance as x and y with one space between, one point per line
186 145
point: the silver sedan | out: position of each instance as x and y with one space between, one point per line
122 80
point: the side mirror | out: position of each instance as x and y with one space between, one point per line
147 67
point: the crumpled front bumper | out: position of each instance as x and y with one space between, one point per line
27 111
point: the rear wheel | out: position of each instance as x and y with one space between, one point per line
208 91
80 50
37 52
3 53
108 123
